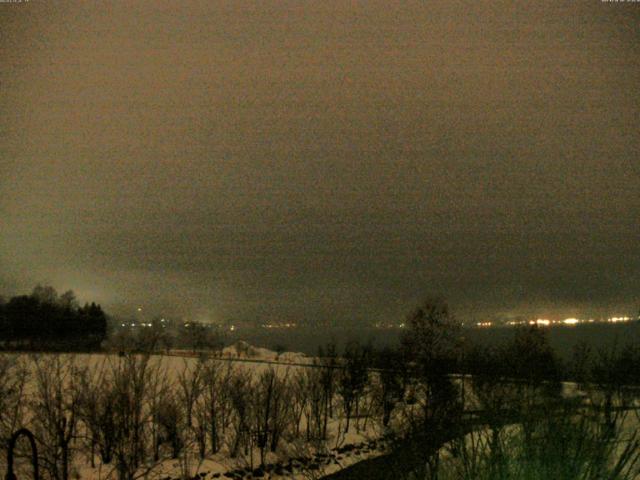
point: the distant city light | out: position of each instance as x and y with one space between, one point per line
618 319
388 325
540 321
544 322
279 325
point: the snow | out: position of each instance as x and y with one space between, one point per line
242 350
305 460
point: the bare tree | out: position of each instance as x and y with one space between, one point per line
56 409
130 380
431 346
299 396
328 358
190 388
97 413
240 392
391 381
270 410
158 388
353 378
212 411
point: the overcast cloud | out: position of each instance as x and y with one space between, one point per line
322 160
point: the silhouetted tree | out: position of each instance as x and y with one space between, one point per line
45 320
353 378
392 381
432 345
45 294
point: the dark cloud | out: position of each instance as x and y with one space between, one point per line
322 161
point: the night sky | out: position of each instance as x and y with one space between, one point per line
322 161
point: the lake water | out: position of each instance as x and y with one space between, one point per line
562 338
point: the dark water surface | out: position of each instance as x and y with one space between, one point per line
562 338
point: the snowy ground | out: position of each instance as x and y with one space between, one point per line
293 459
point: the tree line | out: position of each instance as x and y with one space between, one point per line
44 320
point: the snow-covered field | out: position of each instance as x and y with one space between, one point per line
298 453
